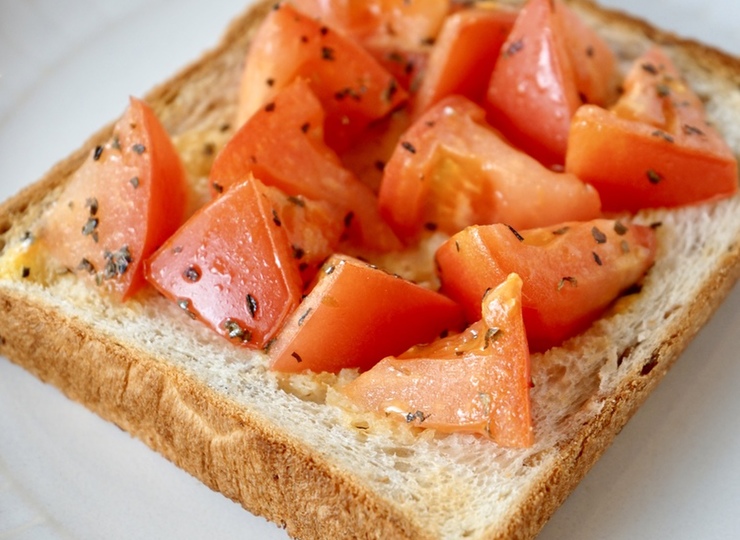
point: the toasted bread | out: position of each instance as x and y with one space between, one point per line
214 411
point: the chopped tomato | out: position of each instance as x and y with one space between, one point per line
571 272
312 228
352 86
550 64
593 61
357 314
231 266
120 205
662 151
406 66
367 159
464 54
477 381
283 146
400 23
397 33
451 170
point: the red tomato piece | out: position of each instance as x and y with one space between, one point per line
282 145
594 63
397 33
312 229
357 314
464 54
451 170
352 86
231 266
120 205
662 152
477 381
545 72
399 24
367 159
406 66
571 272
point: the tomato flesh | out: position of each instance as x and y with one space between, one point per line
282 145
311 227
662 152
571 271
397 33
476 381
550 64
357 314
352 86
120 205
399 23
368 158
594 63
464 54
451 170
232 267
406 66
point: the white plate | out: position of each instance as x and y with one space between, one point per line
66 68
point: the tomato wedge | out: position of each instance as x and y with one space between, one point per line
477 381
464 54
282 145
397 33
311 227
357 314
401 24
550 65
571 272
352 86
407 66
232 267
662 152
120 205
451 170
594 63
367 159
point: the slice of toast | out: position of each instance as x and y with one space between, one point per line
213 410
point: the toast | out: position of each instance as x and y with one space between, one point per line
224 420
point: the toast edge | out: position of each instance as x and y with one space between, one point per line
203 433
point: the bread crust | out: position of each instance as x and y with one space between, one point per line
578 455
227 446
221 444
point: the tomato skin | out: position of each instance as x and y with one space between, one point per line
571 271
476 381
658 142
357 314
282 145
354 89
550 64
451 170
122 203
464 54
231 266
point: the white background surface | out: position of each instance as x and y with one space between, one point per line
68 67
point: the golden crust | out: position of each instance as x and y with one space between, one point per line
579 454
218 442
